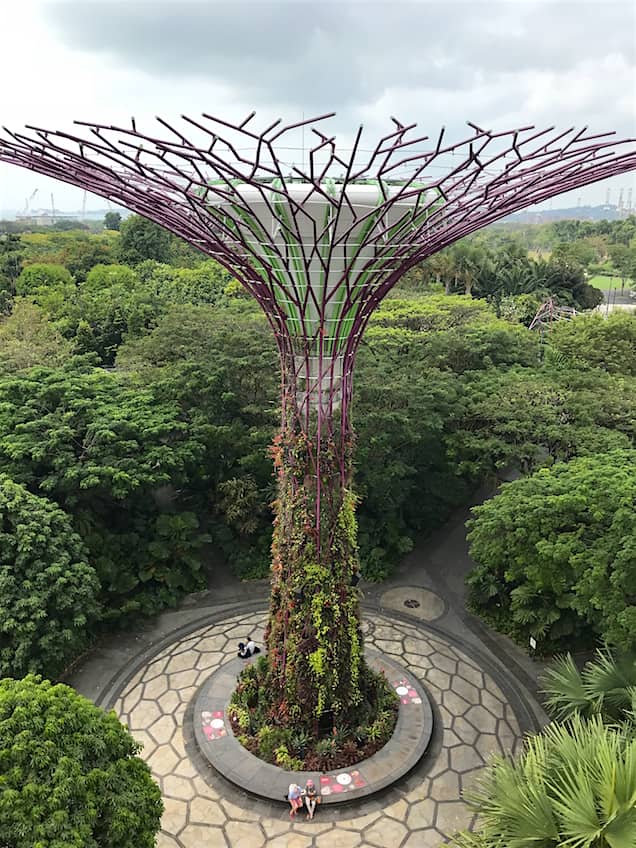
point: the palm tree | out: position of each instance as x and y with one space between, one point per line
574 786
606 686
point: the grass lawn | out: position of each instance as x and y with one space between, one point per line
606 283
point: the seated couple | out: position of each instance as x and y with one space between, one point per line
296 796
248 648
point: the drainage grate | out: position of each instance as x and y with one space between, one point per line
411 603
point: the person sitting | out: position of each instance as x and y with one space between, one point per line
251 647
294 796
311 798
242 651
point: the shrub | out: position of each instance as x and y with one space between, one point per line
69 774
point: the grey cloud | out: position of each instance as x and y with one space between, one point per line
333 54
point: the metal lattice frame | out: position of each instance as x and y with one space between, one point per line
206 186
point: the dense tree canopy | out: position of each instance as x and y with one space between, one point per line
101 448
556 553
69 774
142 398
48 591
140 239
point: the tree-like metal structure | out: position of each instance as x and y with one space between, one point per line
318 244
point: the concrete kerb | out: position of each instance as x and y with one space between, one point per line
220 748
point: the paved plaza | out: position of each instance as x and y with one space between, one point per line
480 686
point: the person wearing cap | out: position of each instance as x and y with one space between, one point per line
311 798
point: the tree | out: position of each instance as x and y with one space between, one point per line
112 221
48 590
556 553
140 239
574 784
594 341
42 276
11 256
28 338
101 446
69 774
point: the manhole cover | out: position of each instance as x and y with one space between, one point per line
411 603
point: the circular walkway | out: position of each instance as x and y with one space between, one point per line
476 715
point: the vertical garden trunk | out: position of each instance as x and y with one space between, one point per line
315 654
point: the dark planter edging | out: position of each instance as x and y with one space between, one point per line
218 745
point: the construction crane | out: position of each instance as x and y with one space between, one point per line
27 202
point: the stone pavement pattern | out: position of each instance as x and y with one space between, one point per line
473 719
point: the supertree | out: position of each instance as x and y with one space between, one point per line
318 244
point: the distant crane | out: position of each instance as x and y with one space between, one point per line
52 208
27 202
84 207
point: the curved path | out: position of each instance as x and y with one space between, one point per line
482 685
475 717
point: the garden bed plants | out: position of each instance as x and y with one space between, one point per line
332 743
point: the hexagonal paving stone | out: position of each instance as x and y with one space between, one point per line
244 835
196 835
421 814
465 758
163 729
436 677
175 815
446 787
465 689
239 813
339 839
181 662
182 679
453 816
481 719
163 761
169 701
398 810
145 714
154 688
204 811
385 832
177 787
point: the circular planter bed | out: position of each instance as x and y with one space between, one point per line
219 746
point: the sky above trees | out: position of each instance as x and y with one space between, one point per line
498 64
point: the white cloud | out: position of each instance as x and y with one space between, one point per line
499 64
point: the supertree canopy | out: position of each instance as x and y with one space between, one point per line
318 244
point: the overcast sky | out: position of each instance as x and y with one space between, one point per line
497 64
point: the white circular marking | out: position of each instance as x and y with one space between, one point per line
344 779
217 723
402 690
